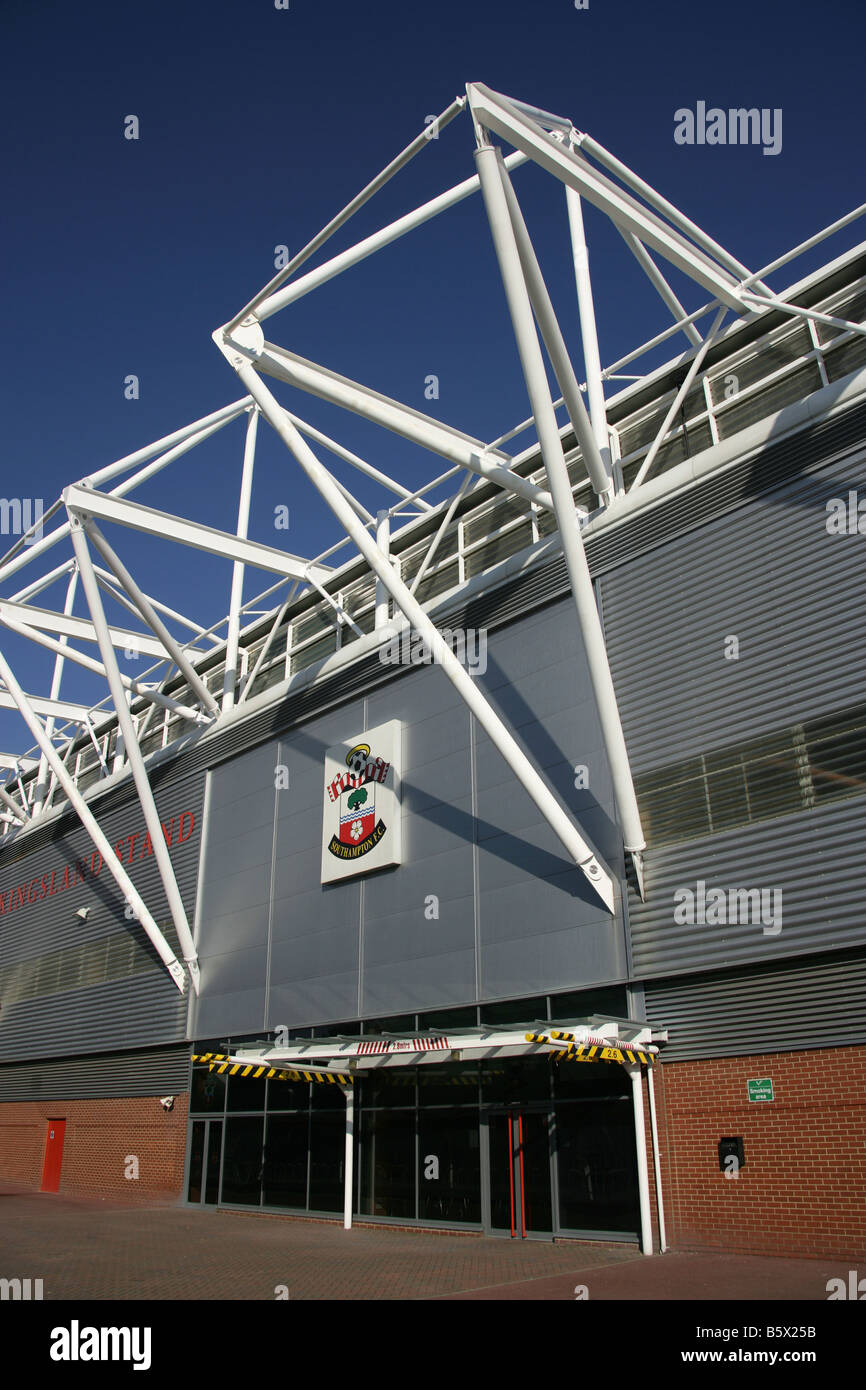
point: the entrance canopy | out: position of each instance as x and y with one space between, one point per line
340 1060
594 1039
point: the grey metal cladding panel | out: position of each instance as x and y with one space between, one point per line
425 983
422 692
221 1015
448 875
807 857
144 1010
770 575
550 960
315 955
98 1076
805 1004
305 1002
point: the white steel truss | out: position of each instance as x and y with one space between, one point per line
205 676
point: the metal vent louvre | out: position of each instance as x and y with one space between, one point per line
762 359
98 1076
792 387
140 1011
846 358
803 1004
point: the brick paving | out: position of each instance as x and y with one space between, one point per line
84 1248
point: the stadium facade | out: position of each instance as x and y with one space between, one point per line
476 943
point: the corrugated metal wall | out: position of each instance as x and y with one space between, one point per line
794 1005
809 859
98 1076
72 985
768 574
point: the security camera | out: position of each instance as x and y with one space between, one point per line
167 1102
83 913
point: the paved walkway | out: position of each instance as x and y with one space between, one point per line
86 1249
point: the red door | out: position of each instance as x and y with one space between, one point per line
53 1155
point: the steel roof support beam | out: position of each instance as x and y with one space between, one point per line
16 764
88 820
13 807
430 553
62 709
230 673
658 281
57 676
192 533
369 246
588 329
495 113
766 300
527 775
154 622
401 419
363 467
111 586
668 210
587 434
678 399
133 752
80 628
186 439
266 646
89 664
415 146
520 308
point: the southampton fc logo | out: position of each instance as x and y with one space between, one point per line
353 794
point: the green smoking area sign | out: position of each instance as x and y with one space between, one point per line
761 1089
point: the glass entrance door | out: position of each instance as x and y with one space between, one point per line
204 1162
520 1188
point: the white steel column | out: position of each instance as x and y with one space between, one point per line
646 1235
487 160
88 820
588 330
230 677
133 752
657 1169
383 540
596 454
54 693
349 1093
442 654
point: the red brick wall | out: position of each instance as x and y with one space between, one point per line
802 1190
100 1135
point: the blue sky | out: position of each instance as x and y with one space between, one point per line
256 126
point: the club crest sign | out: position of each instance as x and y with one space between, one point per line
361 828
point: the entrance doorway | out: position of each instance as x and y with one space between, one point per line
205 1153
519 1143
53 1155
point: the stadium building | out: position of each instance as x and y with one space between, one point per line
504 876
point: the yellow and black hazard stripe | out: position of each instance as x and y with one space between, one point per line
579 1052
220 1063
